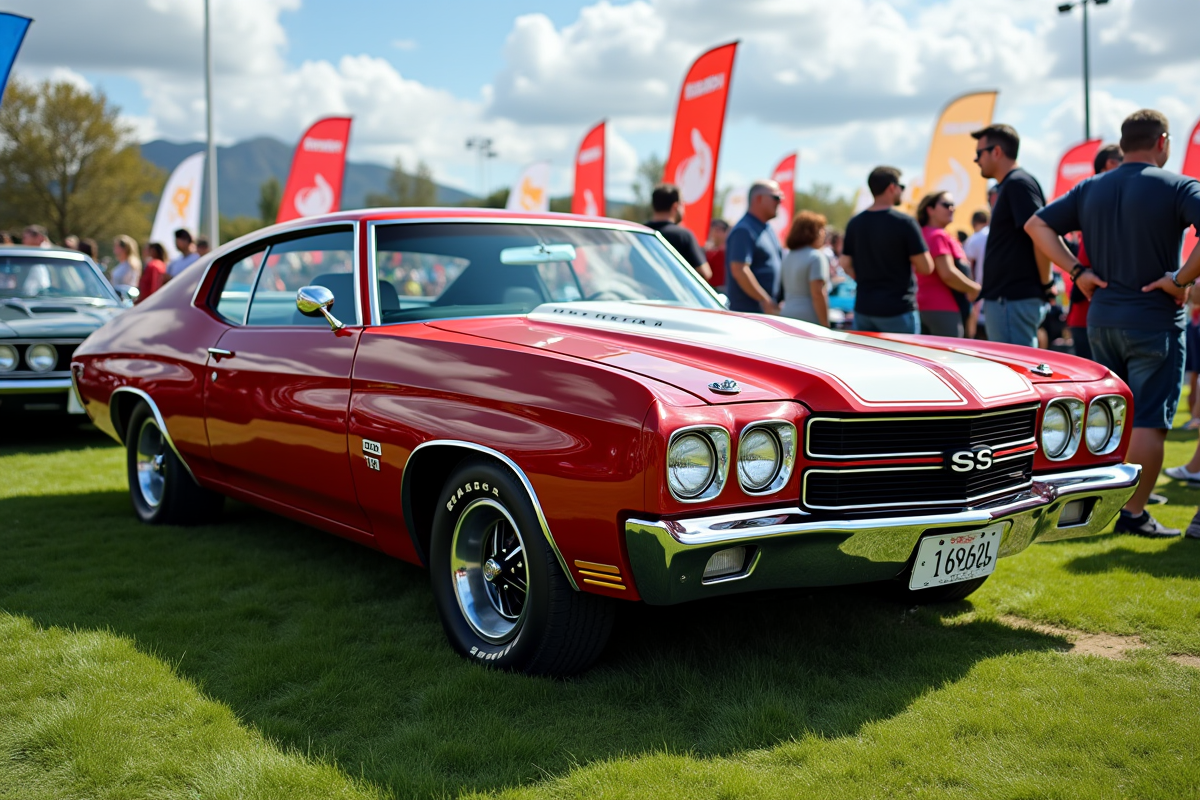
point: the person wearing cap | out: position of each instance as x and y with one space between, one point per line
882 249
753 254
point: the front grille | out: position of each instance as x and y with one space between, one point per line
896 487
880 441
65 349
877 437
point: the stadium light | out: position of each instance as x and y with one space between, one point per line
1066 8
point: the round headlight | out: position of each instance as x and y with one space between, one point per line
758 459
1056 431
8 358
41 357
1099 426
691 465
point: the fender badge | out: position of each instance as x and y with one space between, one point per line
1043 370
727 386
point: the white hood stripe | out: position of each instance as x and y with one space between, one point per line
875 371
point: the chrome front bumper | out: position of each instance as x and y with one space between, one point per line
34 385
789 548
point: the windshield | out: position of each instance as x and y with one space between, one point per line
46 276
440 270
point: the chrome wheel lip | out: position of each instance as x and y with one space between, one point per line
478 597
150 451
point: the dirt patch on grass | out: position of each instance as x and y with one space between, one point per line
1106 645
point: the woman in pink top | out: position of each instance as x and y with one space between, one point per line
940 314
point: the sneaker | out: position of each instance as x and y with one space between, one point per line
1144 525
1181 473
1193 528
1156 500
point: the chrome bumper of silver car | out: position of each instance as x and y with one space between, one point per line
788 547
34 385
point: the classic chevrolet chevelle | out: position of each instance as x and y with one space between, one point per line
554 412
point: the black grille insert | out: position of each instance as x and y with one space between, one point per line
875 437
896 487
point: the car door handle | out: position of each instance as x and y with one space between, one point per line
218 353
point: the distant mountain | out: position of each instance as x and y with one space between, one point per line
243 167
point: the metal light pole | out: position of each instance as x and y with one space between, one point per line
483 149
1065 8
214 219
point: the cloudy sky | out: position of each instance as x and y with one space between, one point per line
849 84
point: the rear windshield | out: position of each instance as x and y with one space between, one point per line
46 276
440 270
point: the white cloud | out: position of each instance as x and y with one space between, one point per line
404 44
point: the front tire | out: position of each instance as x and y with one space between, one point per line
162 490
500 592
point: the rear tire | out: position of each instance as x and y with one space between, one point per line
500 591
944 594
162 490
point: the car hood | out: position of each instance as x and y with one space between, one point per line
44 318
773 358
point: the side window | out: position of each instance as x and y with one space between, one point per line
322 259
239 281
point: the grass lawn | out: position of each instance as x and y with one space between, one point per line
263 659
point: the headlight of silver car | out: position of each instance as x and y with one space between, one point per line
41 357
1105 424
697 463
766 455
1061 428
8 358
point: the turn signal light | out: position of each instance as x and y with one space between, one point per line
729 561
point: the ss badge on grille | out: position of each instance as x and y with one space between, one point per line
977 458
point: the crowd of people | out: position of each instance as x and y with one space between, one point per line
1115 240
145 270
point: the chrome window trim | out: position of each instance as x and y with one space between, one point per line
217 256
1075 414
616 225
919 417
508 462
955 502
158 418
1114 439
719 438
787 455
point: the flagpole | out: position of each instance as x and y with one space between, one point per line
214 219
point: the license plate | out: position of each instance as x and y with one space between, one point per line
955 557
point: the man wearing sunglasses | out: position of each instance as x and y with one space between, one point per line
1016 280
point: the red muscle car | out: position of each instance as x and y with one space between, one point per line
554 413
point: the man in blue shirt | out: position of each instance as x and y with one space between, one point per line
753 254
1133 219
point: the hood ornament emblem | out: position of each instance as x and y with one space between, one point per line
727 386
1043 370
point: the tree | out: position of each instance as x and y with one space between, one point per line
649 174
407 189
820 198
497 199
270 194
236 227
68 163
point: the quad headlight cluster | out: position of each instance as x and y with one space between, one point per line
698 459
40 357
1065 426
8 358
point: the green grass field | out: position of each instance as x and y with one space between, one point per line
263 659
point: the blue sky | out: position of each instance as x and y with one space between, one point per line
849 84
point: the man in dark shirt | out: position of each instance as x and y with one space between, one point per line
881 249
1133 219
1015 280
753 254
667 214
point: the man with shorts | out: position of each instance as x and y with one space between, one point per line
1133 219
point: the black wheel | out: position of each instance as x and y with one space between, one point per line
499 589
162 490
944 594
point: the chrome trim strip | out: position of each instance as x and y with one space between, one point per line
736 528
921 417
787 447
33 385
158 418
76 341
720 440
372 276
533 498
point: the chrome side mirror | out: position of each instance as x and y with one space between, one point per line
129 294
315 301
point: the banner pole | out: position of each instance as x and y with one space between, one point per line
1087 101
214 219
